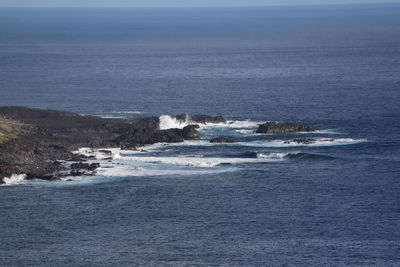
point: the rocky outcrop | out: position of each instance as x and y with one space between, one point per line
38 139
85 166
190 132
282 128
221 139
305 141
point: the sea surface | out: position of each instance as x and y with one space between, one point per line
257 202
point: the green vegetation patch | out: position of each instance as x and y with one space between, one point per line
11 129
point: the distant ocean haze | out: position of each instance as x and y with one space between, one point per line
319 61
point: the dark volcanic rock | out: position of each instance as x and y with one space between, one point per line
304 141
282 127
190 132
221 139
27 155
300 141
85 166
105 151
166 136
77 173
51 135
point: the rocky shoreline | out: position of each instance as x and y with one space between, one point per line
39 143
50 136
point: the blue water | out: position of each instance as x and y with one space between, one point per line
254 203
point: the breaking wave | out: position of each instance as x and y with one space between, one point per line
15 179
294 155
169 122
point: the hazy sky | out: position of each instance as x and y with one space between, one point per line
172 3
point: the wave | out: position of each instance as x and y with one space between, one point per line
275 143
198 162
108 153
274 155
115 114
326 131
245 131
308 156
294 155
168 122
15 179
317 143
126 170
245 124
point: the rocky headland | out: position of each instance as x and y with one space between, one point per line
40 143
35 142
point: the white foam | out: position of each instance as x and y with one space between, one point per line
15 179
275 155
101 154
168 122
97 153
318 142
126 170
275 143
198 162
244 131
242 124
326 131
192 143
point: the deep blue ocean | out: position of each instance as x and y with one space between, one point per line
257 202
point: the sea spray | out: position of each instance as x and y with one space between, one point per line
14 179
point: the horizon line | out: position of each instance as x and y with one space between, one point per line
212 6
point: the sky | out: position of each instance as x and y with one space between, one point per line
175 3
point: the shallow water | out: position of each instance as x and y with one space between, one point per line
255 202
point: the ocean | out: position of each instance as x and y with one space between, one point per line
260 201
